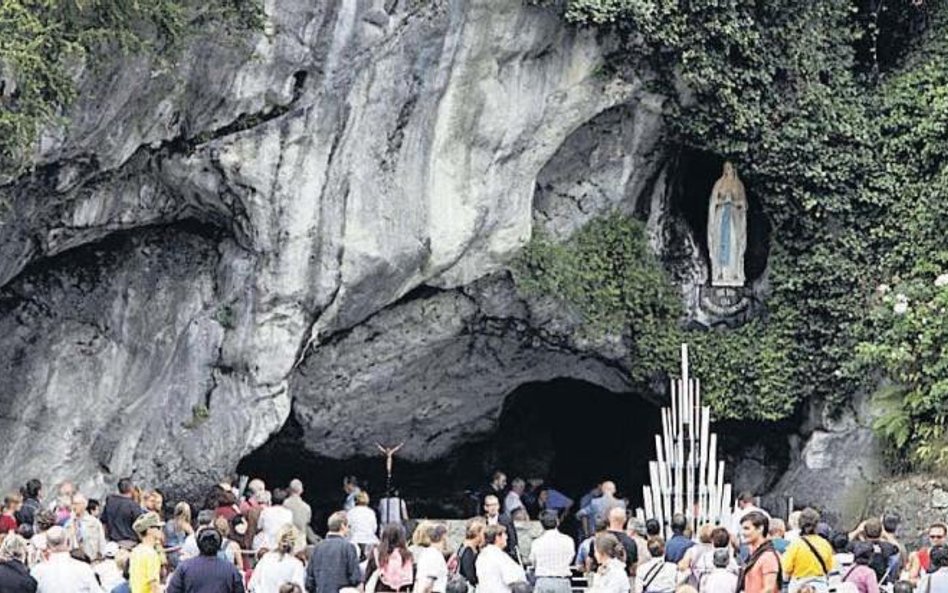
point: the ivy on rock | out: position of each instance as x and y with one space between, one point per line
42 42
851 166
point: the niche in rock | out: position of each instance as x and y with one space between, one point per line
568 432
697 173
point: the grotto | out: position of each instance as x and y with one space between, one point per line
537 436
291 230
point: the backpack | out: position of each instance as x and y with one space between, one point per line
454 562
396 573
879 562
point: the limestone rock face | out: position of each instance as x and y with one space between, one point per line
836 464
109 362
353 152
318 220
433 371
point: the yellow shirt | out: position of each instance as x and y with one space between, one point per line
799 561
144 566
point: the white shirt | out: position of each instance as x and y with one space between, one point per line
273 570
430 566
661 576
271 520
362 525
613 578
109 574
720 580
552 554
702 563
496 571
63 574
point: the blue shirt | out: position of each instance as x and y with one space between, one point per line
676 547
556 500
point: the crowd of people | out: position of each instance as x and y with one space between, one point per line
244 537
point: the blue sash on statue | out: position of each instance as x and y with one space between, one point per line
724 249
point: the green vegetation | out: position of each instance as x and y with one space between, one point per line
199 415
44 42
909 349
616 285
226 316
838 121
608 272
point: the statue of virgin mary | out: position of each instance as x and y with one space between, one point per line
727 229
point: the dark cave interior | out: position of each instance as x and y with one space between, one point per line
568 432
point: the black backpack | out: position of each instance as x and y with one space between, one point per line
879 562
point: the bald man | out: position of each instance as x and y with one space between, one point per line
601 505
617 518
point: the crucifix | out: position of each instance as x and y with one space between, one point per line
389 453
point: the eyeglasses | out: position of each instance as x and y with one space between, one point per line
936 536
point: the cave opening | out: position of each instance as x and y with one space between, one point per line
568 432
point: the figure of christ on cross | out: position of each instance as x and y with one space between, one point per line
389 453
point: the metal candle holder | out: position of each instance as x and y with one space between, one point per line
687 476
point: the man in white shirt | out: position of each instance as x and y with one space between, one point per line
85 531
496 571
61 572
273 518
551 555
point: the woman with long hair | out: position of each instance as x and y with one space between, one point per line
229 547
390 565
177 531
280 565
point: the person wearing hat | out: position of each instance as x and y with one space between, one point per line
144 565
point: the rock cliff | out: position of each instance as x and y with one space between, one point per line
314 221
203 224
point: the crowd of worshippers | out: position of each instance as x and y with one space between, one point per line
262 541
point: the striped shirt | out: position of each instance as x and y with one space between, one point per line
552 554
